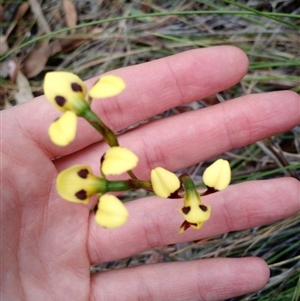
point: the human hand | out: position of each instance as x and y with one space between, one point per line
48 244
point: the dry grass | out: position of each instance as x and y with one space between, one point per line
113 34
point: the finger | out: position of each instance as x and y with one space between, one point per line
154 222
151 88
187 139
207 279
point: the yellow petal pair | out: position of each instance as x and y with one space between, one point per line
111 212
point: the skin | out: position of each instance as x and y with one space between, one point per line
48 244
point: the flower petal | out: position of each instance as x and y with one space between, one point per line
217 175
107 86
77 184
196 214
63 130
117 160
111 212
185 225
66 91
164 182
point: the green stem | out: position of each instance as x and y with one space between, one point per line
137 184
107 134
132 175
187 182
124 185
118 185
189 187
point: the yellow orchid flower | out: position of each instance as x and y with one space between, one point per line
194 211
107 86
63 130
78 183
66 91
164 182
111 212
117 160
217 175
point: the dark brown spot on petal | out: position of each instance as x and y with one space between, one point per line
203 208
76 87
186 210
81 195
83 173
60 100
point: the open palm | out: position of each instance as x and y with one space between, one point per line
48 244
